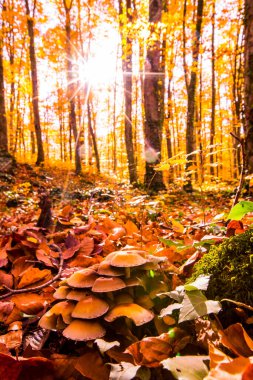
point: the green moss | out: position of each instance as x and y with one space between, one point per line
231 268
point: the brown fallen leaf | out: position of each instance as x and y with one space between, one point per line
20 265
151 351
5 310
32 276
233 370
27 369
29 303
92 366
237 340
12 340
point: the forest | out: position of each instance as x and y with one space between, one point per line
126 189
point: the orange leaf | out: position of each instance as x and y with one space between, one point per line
29 303
87 246
6 279
33 275
92 366
5 310
131 227
12 339
234 227
19 266
233 370
237 340
152 350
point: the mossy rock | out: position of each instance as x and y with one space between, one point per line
231 268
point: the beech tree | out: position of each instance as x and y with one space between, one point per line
71 85
191 85
3 121
127 11
154 100
249 82
30 13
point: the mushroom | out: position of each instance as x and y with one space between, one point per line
105 269
84 330
61 293
137 313
84 278
126 259
108 284
90 307
63 309
77 294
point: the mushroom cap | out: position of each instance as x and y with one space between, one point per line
77 294
108 284
137 313
50 320
153 262
84 330
105 269
133 281
62 292
84 278
90 307
126 259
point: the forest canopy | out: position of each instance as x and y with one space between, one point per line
138 89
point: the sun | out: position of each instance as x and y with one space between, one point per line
100 68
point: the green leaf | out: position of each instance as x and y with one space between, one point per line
187 367
195 305
200 283
240 209
128 371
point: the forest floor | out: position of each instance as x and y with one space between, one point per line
44 211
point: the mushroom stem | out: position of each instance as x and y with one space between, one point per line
110 295
127 272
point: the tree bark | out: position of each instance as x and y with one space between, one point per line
249 83
154 102
3 121
71 87
34 75
212 129
128 87
191 91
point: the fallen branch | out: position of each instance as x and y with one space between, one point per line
35 288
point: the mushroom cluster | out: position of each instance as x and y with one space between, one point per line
93 297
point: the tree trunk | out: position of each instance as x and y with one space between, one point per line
3 121
128 87
154 102
212 129
71 87
34 75
191 91
249 83
93 135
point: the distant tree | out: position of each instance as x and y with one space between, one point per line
191 85
3 120
154 100
71 85
30 13
126 9
249 82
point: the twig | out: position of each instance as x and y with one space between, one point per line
243 168
35 288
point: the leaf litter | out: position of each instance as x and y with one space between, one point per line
81 223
